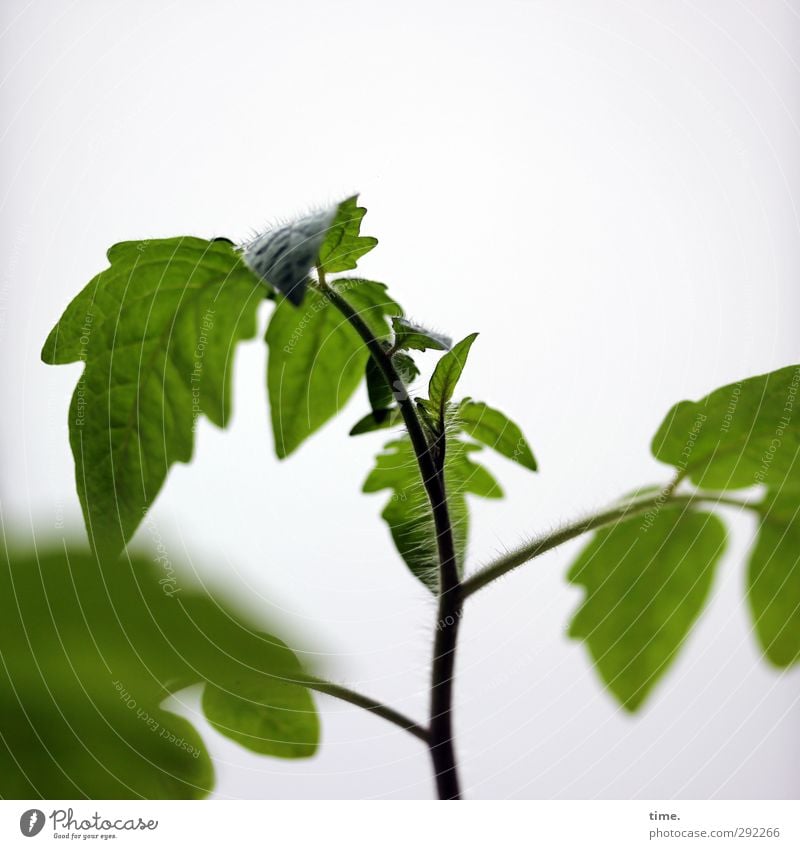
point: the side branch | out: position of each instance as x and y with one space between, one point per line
371 705
539 546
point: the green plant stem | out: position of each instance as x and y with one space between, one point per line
496 569
373 706
450 599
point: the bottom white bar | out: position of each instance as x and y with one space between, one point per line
400 825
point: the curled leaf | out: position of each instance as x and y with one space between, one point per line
329 239
409 335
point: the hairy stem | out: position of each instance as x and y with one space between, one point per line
373 706
444 652
529 551
384 361
431 466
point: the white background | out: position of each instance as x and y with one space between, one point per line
606 190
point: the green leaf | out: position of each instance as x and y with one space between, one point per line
329 239
381 395
376 420
742 434
317 360
156 331
90 653
343 245
446 374
408 512
409 335
266 714
773 579
493 428
646 584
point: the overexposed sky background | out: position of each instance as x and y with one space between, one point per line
605 190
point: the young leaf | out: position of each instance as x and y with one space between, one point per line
266 714
493 428
408 512
156 331
343 245
773 579
316 359
446 374
742 434
381 395
409 335
91 652
329 239
284 256
644 590
376 420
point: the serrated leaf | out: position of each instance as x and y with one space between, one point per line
773 579
742 434
445 376
329 239
316 359
408 512
493 428
89 655
344 245
408 335
156 331
645 588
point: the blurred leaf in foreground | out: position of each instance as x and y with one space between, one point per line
90 654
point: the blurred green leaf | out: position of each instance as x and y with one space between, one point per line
408 512
646 584
156 331
409 335
739 435
329 238
267 715
90 654
316 359
445 377
493 428
773 579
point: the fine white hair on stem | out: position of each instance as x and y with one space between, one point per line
284 256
